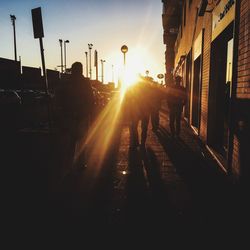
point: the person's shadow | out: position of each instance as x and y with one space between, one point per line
205 184
147 205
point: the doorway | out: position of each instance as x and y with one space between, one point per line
220 91
196 100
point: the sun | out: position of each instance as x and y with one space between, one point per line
128 77
136 65
137 62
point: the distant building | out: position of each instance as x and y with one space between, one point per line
53 79
32 78
10 73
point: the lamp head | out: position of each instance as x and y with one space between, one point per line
13 17
124 49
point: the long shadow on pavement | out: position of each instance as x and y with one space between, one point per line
147 209
209 188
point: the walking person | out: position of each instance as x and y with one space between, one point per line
176 99
77 107
140 106
155 114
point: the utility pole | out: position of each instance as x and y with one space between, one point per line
102 62
90 69
87 70
112 73
124 50
96 64
65 65
60 41
13 19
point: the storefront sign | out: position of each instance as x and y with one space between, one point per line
223 15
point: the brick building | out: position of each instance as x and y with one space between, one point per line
207 43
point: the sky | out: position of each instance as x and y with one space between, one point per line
107 24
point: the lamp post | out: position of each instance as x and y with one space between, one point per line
112 73
96 64
90 69
160 76
102 62
124 50
60 41
87 70
65 65
13 19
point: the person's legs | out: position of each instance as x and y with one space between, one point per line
80 154
178 122
144 129
134 133
155 119
72 145
172 122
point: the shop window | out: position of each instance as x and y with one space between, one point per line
196 102
220 91
227 93
188 82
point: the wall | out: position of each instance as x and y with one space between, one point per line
241 138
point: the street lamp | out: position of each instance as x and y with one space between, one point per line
60 41
112 73
13 19
102 62
124 50
65 65
87 70
160 76
96 64
90 70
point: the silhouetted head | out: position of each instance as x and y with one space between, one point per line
76 69
178 80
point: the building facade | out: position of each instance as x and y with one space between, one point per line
210 49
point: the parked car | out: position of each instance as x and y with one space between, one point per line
34 107
29 96
106 97
10 106
98 99
9 97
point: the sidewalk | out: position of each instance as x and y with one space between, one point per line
179 173
173 188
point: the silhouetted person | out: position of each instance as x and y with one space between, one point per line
155 114
176 99
78 104
140 105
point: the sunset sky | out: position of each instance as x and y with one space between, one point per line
107 24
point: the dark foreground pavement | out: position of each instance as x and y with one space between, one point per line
173 191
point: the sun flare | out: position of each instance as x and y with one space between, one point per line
137 61
128 78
